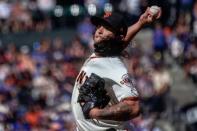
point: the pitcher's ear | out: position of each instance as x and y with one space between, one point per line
120 37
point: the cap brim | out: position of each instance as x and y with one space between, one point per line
97 21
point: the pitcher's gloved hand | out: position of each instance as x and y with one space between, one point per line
93 94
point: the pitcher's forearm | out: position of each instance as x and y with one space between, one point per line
132 31
145 18
122 111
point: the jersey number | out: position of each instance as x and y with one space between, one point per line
81 77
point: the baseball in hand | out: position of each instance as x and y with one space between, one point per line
154 10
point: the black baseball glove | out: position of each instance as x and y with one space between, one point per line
93 94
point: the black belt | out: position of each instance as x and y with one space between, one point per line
111 129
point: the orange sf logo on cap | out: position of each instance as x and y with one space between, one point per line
107 14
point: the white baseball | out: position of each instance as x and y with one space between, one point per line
154 10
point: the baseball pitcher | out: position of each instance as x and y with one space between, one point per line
104 97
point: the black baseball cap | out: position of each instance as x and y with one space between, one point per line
113 21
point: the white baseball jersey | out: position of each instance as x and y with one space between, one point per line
117 84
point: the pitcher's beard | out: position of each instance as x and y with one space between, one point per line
109 47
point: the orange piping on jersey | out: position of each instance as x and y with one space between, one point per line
93 57
131 98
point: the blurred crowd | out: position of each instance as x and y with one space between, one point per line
45 15
36 81
36 85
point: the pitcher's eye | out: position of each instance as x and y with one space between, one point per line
98 26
